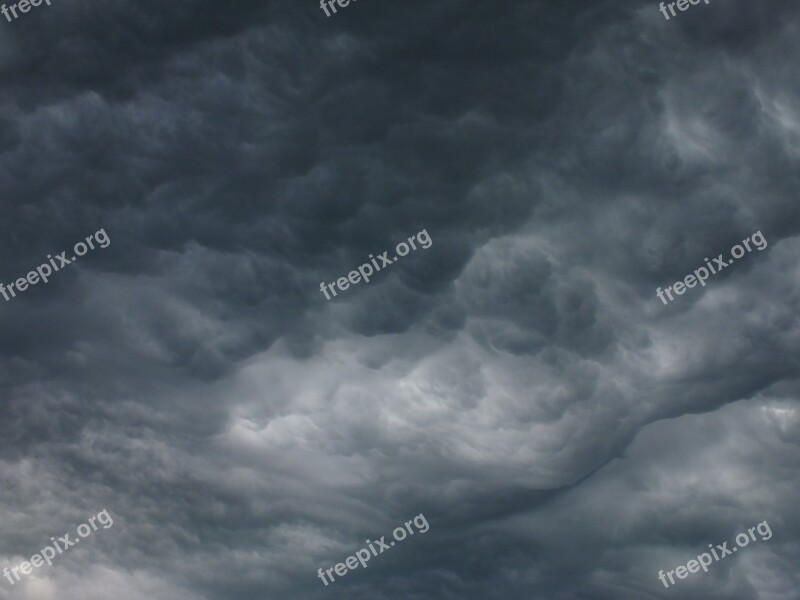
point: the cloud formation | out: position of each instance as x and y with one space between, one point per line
565 434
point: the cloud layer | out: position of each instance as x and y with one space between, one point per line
565 434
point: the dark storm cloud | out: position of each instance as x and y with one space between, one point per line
564 433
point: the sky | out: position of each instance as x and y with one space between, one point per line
564 432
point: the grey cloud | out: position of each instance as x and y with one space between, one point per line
564 433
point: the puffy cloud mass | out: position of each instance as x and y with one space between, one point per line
566 434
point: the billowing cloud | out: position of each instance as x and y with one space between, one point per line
565 434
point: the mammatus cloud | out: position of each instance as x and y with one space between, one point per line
565 434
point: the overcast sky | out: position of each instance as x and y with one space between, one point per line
565 434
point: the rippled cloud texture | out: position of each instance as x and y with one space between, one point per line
565 434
